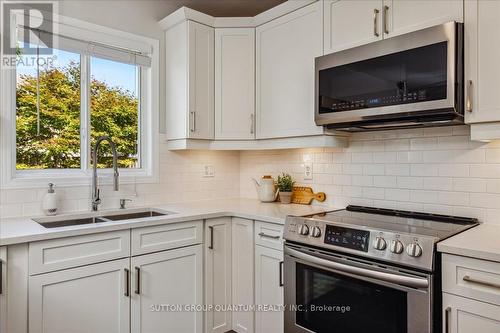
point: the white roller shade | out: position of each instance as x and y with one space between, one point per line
94 49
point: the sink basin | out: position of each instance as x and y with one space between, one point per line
92 218
130 216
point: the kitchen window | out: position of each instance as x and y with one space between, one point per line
63 101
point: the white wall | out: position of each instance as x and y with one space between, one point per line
437 170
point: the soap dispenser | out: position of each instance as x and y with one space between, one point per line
49 205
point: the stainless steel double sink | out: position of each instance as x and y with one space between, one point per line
93 218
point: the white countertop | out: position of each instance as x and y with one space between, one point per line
24 229
481 242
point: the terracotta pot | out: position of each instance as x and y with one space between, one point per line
285 197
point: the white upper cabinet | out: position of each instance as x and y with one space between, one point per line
189 81
173 277
351 23
234 83
482 53
403 16
285 49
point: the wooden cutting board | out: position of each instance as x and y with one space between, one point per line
304 195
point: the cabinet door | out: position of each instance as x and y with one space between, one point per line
402 16
234 83
243 273
462 314
88 299
351 23
482 51
286 48
3 289
171 277
268 289
201 81
218 273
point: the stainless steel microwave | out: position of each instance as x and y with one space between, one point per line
412 80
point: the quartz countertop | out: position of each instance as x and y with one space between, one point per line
481 242
24 229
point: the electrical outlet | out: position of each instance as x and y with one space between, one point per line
209 171
308 170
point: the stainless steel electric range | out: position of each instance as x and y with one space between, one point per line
365 269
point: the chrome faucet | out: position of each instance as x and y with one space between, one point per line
96 200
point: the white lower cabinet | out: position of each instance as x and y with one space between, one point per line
218 273
243 273
3 289
268 289
88 299
463 315
167 278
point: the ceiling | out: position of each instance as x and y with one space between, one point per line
227 7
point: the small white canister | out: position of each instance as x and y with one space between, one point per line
49 204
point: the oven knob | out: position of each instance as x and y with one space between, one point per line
303 230
316 232
414 250
397 246
379 243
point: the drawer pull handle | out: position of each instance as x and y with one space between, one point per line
261 234
484 283
127 282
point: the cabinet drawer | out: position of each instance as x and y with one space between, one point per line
164 237
269 235
473 278
57 254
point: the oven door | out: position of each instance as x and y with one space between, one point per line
325 293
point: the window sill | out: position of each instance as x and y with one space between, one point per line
70 178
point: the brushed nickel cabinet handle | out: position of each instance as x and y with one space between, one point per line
468 104
138 280
252 123
281 273
127 282
447 313
261 234
211 246
481 282
1 276
192 119
375 17
386 13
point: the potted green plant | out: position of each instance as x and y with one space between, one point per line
285 185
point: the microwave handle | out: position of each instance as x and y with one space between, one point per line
408 281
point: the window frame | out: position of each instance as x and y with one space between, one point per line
148 116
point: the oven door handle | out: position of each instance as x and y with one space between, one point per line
408 281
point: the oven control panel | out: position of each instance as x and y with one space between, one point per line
402 248
347 237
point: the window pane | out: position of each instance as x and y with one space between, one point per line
50 139
114 111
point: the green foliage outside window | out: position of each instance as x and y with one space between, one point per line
113 110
